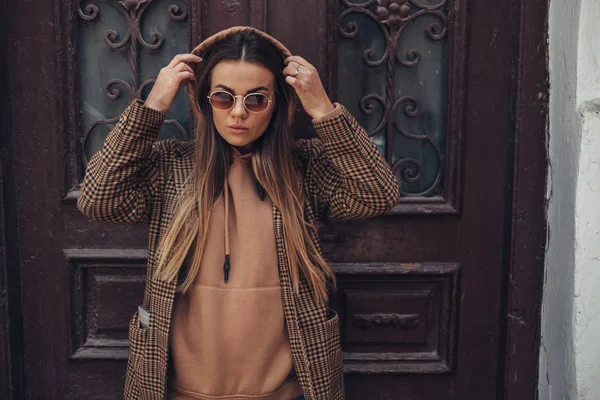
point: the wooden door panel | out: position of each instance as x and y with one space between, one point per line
397 318
406 240
105 285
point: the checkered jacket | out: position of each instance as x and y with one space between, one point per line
135 178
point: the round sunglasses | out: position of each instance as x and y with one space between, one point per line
253 102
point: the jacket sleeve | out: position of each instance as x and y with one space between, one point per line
346 176
121 180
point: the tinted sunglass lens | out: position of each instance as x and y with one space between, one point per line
256 102
222 100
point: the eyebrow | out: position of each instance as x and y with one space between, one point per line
249 91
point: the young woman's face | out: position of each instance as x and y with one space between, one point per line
241 78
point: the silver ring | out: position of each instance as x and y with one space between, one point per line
297 71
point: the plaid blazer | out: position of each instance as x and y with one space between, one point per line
135 178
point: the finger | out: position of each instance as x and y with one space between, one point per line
299 60
183 67
293 65
293 82
183 75
296 59
186 57
291 69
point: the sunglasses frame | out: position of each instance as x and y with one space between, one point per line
235 99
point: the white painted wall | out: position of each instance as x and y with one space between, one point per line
570 353
588 54
586 331
557 361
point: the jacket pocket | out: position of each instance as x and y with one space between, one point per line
334 355
137 338
135 363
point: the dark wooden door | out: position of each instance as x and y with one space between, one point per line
422 290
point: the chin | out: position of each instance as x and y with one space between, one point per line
238 142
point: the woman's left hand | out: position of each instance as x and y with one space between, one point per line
304 78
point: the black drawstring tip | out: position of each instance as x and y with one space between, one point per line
226 268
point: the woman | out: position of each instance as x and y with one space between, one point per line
235 303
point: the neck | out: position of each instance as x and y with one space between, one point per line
244 149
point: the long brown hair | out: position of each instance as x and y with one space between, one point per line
273 163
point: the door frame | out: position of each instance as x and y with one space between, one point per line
525 219
525 244
11 332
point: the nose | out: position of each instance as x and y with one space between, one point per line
238 110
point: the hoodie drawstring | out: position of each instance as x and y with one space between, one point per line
227 265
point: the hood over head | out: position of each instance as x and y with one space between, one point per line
202 49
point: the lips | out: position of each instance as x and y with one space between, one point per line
238 129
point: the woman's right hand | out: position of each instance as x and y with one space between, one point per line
170 79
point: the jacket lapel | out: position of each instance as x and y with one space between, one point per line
162 294
290 311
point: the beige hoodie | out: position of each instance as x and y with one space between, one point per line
228 340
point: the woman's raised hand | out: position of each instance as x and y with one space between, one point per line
169 80
304 78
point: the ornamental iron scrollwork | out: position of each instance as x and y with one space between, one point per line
392 17
132 11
